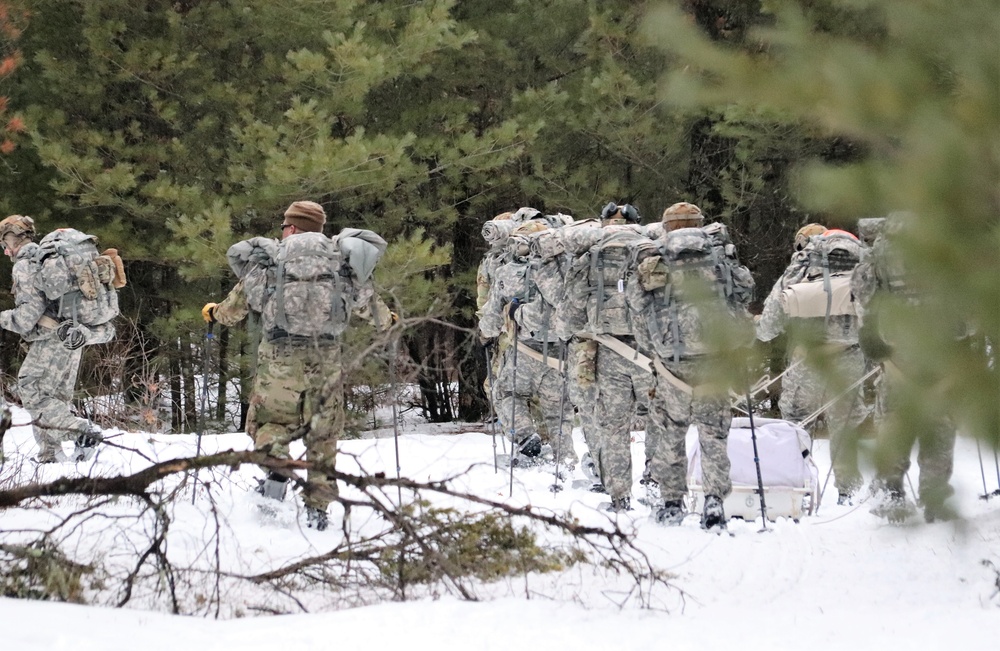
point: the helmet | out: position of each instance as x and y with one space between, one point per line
525 213
624 211
19 225
803 234
682 211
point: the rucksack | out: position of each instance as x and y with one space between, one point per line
822 288
595 299
691 281
70 271
312 281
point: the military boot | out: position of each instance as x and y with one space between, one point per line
713 515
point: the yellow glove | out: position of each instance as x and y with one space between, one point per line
208 312
393 317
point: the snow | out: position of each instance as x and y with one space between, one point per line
839 579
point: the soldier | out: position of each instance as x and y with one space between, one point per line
594 309
880 284
812 301
298 387
47 377
693 290
522 298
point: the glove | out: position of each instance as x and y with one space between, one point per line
512 308
873 345
208 312
393 318
71 335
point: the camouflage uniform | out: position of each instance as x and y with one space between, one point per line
530 394
298 382
607 407
879 276
827 359
48 374
686 393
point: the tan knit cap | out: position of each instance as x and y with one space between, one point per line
682 211
306 216
504 216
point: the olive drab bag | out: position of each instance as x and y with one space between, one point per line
825 286
694 280
313 281
83 282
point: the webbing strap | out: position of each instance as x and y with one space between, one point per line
551 362
651 365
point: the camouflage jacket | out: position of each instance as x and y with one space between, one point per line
30 304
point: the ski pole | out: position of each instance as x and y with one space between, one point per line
395 419
996 462
756 462
204 399
489 399
562 413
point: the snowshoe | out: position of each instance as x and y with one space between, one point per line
618 504
652 486
938 512
893 506
316 518
712 514
86 444
671 513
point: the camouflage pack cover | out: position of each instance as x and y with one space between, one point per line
601 261
311 295
70 271
692 283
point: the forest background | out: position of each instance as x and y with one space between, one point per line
173 129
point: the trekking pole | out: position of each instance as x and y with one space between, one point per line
395 418
556 487
982 471
756 462
513 405
204 400
489 399
996 462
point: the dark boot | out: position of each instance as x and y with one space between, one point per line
671 513
713 515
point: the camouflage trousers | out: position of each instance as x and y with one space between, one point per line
45 386
581 362
818 379
709 412
530 382
904 424
300 384
620 386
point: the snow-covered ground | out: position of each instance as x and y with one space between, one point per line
840 579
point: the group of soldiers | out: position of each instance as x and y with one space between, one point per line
599 321
592 321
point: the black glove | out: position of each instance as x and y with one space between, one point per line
873 345
71 335
512 308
